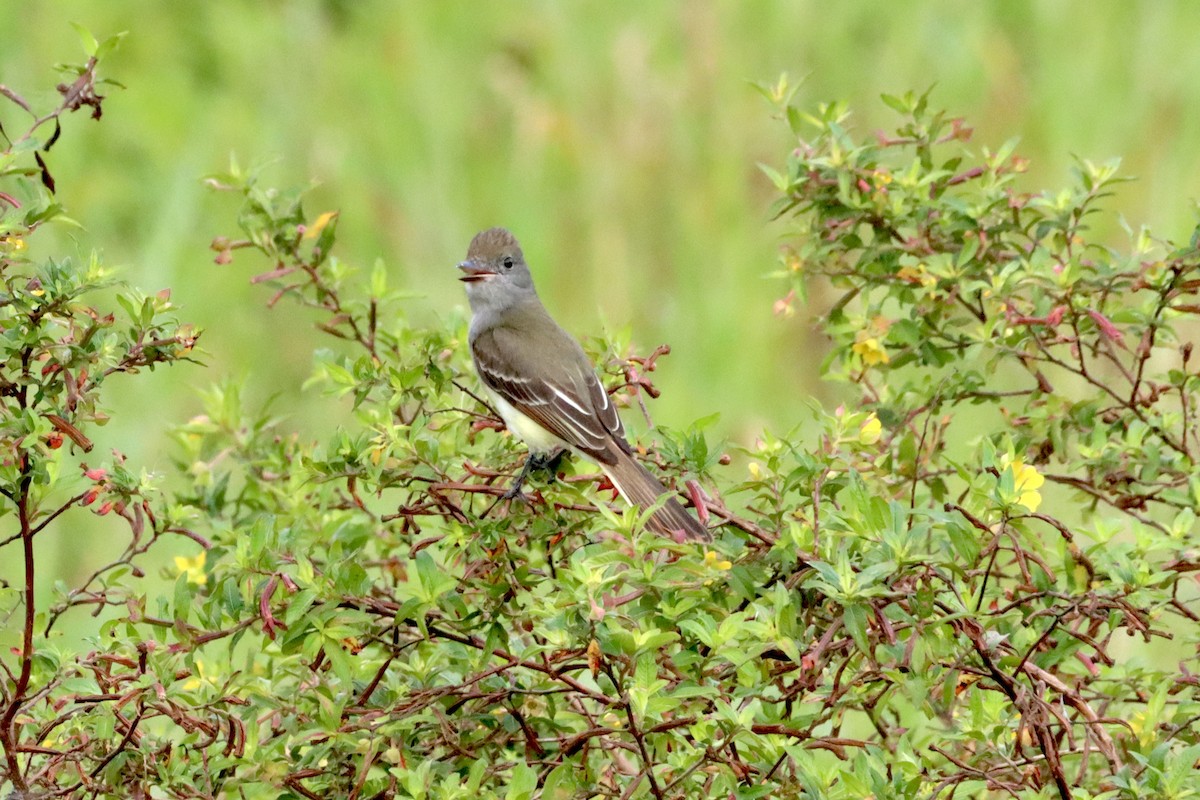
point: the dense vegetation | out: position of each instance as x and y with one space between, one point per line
977 580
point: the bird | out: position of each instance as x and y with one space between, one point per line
545 388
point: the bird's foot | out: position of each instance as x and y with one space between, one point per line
540 462
548 462
514 493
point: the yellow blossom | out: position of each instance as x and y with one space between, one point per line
193 568
613 720
871 351
792 260
711 559
755 470
1027 480
916 274
870 431
199 677
312 231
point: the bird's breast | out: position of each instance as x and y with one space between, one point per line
537 438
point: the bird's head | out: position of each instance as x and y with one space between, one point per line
495 270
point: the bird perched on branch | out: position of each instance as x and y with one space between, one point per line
544 386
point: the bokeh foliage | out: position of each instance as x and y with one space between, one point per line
897 607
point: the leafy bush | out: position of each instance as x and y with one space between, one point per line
973 582
71 720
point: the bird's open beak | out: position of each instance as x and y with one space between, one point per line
473 271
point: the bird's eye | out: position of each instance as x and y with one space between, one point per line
508 262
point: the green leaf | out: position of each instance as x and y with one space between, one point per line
560 783
522 784
897 104
379 279
109 45
781 182
342 662
87 39
855 619
434 580
182 604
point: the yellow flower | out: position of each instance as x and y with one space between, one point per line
711 559
755 470
312 231
916 274
870 350
871 430
199 678
193 568
1027 480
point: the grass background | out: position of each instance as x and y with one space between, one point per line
619 140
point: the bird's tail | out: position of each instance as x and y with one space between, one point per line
640 488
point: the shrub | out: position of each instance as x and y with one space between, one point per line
71 720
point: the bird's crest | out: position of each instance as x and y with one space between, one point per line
492 242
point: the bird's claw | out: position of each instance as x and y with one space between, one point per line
547 462
515 493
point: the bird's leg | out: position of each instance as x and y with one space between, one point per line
550 462
535 461
514 492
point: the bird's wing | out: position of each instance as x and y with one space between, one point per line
570 403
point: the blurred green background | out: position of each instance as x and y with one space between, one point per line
619 140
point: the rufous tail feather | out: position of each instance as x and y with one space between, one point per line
640 488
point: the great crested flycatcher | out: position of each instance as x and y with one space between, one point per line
542 383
